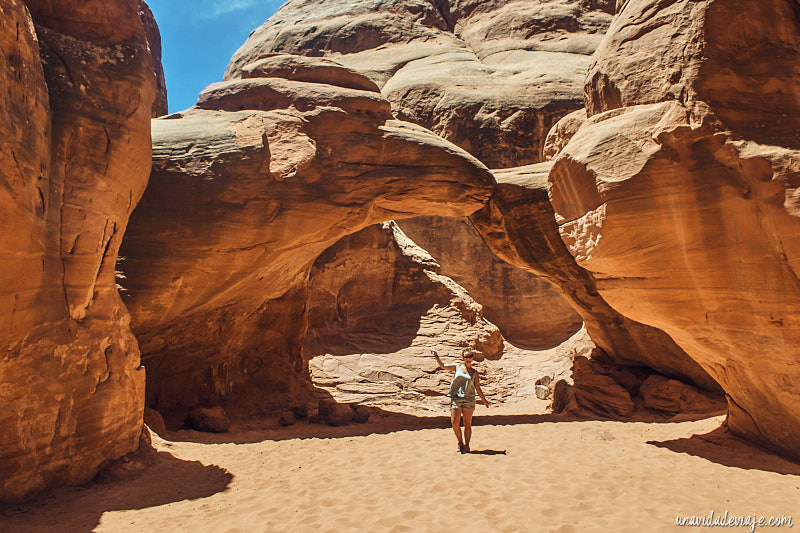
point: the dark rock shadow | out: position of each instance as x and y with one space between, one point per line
259 429
722 447
383 331
166 479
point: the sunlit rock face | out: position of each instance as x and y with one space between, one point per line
519 225
679 194
248 188
377 305
78 88
491 76
529 311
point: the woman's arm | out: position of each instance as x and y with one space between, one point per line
451 368
478 389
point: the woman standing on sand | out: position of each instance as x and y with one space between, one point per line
462 395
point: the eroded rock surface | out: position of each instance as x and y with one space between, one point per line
78 87
491 76
376 291
561 132
679 193
518 224
248 188
529 311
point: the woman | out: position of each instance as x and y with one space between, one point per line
462 394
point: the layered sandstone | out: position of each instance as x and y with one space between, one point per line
248 187
529 311
561 132
79 83
491 76
519 225
376 291
377 305
679 194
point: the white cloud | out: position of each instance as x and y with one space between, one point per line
223 7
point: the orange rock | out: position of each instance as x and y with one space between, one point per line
598 393
519 225
247 189
679 193
528 310
376 291
78 87
561 132
491 77
674 396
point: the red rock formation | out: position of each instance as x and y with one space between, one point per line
160 106
74 158
248 188
674 396
491 76
679 193
561 132
597 393
377 305
376 291
518 224
529 311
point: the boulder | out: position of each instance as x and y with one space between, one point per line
598 393
674 396
339 415
563 398
208 419
361 414
155 421
287 419
561 132
326 406
247 189
679 193
79 81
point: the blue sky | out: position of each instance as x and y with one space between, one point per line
199 37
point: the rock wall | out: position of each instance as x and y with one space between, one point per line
377 305
376 291
679 193
529 311
491 76
79 83
518 224
248 187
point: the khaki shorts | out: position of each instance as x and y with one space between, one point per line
462 403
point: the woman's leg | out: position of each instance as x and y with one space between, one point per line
467 414
455 418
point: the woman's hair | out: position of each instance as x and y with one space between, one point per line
467 352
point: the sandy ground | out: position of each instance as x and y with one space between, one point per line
402 473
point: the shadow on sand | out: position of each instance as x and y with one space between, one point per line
722 447
164 479
381 422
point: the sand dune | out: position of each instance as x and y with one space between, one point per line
529 473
